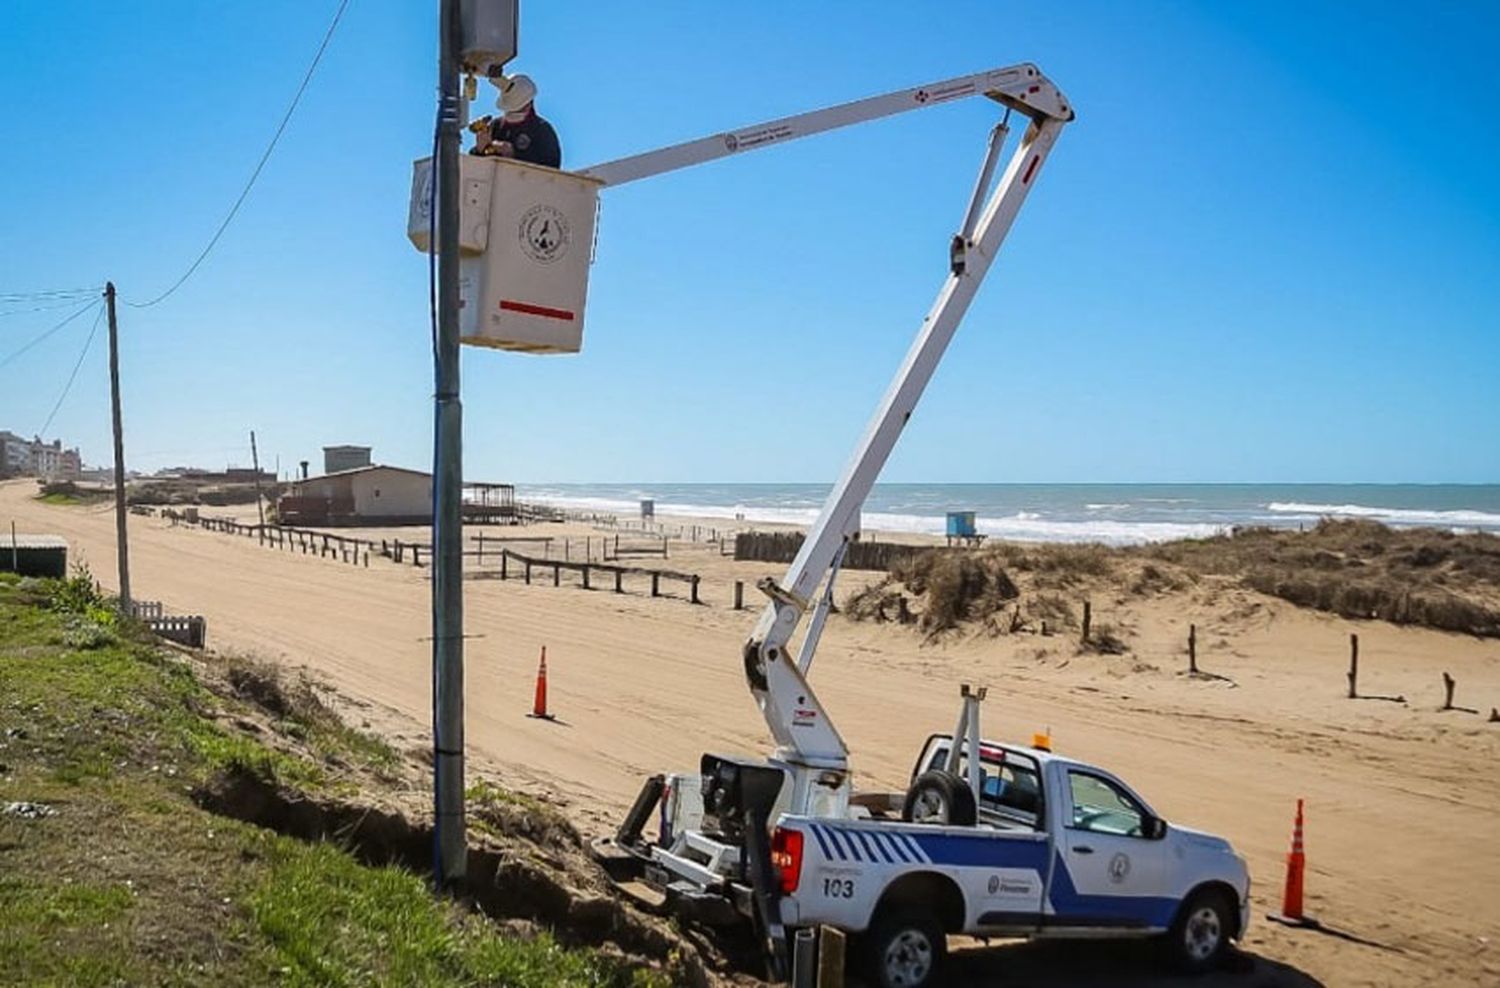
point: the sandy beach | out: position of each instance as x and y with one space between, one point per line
1403 804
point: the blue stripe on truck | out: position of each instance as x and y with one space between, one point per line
1106 910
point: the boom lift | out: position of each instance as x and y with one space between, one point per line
808 774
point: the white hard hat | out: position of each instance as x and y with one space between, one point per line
515 92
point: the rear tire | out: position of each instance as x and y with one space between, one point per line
941 799
905 947
1199 938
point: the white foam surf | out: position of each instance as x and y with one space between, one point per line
1395 516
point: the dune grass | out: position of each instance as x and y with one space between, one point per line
116 876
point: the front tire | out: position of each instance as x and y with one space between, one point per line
905 948
1200 935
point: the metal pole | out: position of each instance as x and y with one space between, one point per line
122 545
260 506
450 851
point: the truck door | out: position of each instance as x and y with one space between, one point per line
1111 869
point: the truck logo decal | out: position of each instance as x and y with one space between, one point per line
1119 868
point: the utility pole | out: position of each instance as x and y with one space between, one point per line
450 852
260 505
122 544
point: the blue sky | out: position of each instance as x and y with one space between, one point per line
1267 250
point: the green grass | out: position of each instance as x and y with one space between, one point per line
131 882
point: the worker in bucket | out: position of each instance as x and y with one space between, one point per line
519 132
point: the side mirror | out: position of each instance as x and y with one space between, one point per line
1154 828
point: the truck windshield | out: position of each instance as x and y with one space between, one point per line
1009 783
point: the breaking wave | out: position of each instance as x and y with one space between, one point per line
1395 516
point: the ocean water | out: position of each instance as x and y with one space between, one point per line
1117 514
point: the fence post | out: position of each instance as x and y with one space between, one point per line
619 577
739 595
695 590
528 572
481 549
1192 648
1353 666
1088 619
1448 683
556 575
664 547
586 576
504 559
655 584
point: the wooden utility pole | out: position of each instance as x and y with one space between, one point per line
1353 665
260 505
121 543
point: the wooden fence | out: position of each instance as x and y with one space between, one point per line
782 547
184 629
308 542
515 565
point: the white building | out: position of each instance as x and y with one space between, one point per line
372 495
15 455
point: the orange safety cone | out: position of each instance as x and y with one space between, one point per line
539 703
1296 864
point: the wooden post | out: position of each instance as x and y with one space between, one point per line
695 590
1448 683
556 575
528 572
1353 666
619 581
664 547
1495 715
656 584
566 546
739 595
1193 648
481 549
504 563
585 575
830 957
1088 619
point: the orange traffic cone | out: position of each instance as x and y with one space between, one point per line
1296 864
539 704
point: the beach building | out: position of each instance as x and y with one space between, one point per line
337 459
365 495
33 457
15 455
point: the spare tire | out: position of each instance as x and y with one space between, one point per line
940 798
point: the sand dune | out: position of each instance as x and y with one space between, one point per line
1403 801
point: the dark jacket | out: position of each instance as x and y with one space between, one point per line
533 139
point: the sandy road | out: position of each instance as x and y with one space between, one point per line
1404 802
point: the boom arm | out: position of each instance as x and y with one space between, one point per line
805 737
1020 87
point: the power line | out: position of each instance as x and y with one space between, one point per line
245 192
69 386
44 293
46 308
46 333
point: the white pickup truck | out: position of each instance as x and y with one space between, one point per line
1051 848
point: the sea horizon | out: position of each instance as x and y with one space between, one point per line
1117 514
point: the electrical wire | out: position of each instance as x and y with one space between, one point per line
245 192
71 377
42 308
46 333
6 297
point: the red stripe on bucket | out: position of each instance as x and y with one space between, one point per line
526 308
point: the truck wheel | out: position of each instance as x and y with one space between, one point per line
904 948
1200 935
940 798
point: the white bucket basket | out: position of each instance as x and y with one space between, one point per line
527 235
